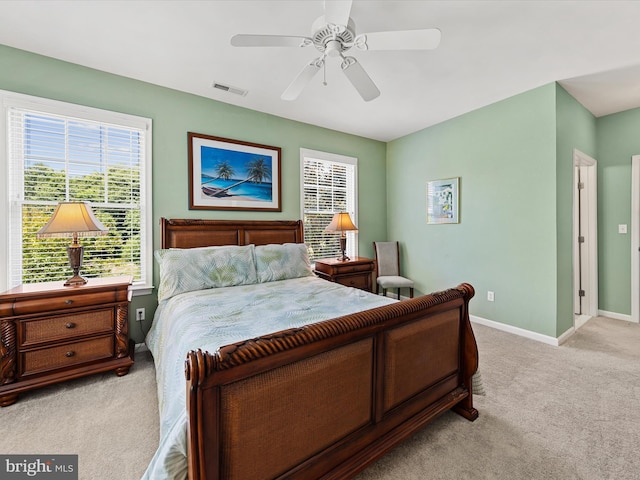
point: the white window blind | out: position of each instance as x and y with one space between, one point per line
329 186
54 157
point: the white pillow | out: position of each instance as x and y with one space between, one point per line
281 262
187 269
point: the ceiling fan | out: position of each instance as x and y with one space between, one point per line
333 34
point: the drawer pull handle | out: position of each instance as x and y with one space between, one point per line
70 354
70 325
68 302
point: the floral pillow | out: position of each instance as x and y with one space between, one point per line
281 262
188 269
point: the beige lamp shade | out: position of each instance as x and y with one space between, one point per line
341 222
72 219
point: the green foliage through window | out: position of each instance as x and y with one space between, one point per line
117 253
54 158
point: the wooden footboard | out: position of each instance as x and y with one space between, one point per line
326 400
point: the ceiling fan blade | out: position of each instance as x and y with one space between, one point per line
302 80
337 11
242 40
359 79
425 39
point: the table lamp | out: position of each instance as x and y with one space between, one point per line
73 219
341 222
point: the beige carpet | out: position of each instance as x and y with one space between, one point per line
569 412
110 422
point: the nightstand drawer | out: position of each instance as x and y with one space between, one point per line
356 281
45 359
61 302
66 326
355 273
362 267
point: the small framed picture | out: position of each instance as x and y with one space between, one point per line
227 174
443 201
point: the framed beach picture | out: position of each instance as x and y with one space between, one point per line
442 201
229 174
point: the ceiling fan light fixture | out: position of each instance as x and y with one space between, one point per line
333 34
333 48
322 33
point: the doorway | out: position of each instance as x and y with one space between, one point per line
585 238
635 238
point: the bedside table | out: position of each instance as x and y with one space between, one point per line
356 272
50 333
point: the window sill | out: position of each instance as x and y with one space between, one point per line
140 290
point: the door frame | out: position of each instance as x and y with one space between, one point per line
635 238
590 230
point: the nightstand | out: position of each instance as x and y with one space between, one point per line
357 272
50 333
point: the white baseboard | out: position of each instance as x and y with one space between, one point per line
141 347
566 335
545 338
615 316
538 337
580 320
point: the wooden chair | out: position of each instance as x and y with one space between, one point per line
388 268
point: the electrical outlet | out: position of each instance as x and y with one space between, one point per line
139 314
490 296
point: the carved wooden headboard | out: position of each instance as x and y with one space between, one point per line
190 233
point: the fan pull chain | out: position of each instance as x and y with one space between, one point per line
324 73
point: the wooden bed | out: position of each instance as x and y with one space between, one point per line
347 390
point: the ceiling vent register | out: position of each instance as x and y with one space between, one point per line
230 89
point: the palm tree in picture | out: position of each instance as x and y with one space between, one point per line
224 171
257 171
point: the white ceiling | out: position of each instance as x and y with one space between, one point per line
490 50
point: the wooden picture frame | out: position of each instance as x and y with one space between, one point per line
443 198
227 174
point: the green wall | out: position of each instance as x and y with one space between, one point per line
576 129
618 138
174 114
514 159
506 242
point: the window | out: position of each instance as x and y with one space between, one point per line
329 185
63 152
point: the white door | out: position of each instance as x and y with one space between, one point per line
585 238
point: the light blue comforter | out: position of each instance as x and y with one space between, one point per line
209 319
